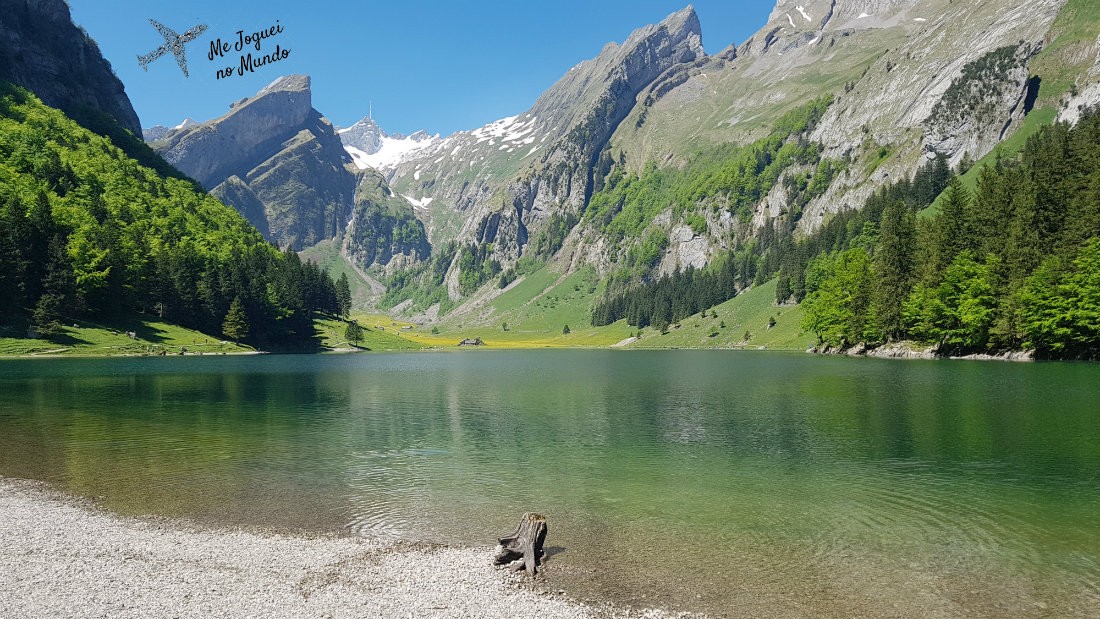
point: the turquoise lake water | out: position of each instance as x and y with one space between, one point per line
742 484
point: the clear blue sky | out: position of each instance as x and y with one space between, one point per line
436 65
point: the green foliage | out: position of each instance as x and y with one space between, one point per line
838 298
802 188
551 237
353 333
235 326
125 239
476 266
1060 306
1015 264
669 298
565 330
343 296
958 312
422 283
980 84
859 228
697 222
893 267
733 176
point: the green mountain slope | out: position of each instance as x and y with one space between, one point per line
87 232
697 170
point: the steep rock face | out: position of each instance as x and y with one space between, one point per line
304 186
982 105
492 184
43 51
281 164
233 144
610 85
896 104
364 135
383 229
1088 92
279 148
888 63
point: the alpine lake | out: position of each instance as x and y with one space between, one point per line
740 484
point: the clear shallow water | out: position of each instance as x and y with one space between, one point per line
737 483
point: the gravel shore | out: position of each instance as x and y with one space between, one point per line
63 557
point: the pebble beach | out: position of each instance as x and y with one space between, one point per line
62 556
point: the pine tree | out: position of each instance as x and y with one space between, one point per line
343 295
58 289
235 326
991 210
953 235
893 268
353 333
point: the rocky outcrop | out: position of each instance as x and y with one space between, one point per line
912 350
500 182
281 164
246 136
154 133
382 229
1087 93
43 51
273 150
983 104
364 135
157 132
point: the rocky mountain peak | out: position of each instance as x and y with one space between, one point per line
814 15
42 50
287 83
681 25
364 135
208 151
681 30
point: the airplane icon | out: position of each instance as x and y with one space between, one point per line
172 43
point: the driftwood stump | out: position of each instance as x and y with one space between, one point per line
523 548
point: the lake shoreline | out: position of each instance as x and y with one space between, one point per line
62 555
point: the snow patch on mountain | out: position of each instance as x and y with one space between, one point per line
421 203
392 151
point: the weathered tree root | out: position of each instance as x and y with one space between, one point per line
523 548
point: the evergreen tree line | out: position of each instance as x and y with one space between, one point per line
87 232
844 229
669 298
1013 264
774 252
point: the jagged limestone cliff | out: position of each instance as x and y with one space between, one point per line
282 165
909 79
43 51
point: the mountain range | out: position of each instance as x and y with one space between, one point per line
650 158
901 73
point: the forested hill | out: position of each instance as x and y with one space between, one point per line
1013 264
86 231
